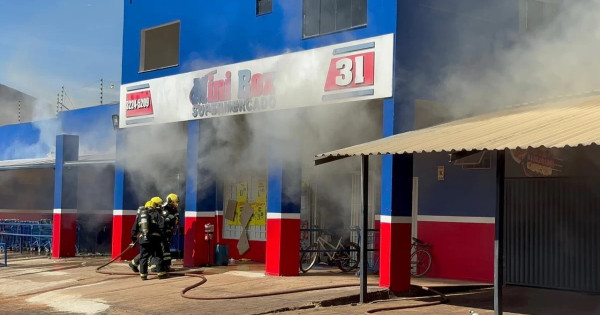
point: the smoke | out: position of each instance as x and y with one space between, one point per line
553 59
239 145
45 144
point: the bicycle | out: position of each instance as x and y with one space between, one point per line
420 259
346 257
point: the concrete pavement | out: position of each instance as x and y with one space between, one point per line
66 286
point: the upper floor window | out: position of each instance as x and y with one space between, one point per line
536 14
159 47
264 7
327 16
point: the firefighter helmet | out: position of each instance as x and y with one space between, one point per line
173 199
156 201
149 204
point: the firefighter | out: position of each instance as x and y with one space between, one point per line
148 231
171 216
135 231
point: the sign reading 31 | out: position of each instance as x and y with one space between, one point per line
351 71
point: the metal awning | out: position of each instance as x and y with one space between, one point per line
48 162
567 123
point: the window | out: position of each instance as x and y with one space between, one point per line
159 47
264 7
472 160
536 14
327 16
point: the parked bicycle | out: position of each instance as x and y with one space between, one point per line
346 256
420 259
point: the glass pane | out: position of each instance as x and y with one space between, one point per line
359 12
327 22
343 15
310 23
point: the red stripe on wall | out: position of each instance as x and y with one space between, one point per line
256 252
461 251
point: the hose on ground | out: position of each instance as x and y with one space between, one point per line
198 274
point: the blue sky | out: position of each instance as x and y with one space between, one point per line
46 44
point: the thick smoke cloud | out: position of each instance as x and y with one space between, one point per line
559 58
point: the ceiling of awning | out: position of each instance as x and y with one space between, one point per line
567 123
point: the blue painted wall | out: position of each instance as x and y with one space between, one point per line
28 140
462 192
224 32
36 139
433 37
94 127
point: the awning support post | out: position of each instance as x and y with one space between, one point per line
499 238
364 226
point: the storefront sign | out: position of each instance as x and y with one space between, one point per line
352 71
540 162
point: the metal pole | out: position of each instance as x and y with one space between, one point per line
499 239
364 226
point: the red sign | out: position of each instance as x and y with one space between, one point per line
351 71
138 103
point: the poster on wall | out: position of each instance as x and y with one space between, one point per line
538 162
346 72
243 200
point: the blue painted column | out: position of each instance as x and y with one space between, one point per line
200 200
283 208
396 208
124 205
64 224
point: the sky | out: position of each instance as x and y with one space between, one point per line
48 44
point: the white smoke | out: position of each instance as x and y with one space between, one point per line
558 59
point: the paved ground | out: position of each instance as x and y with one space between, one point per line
48 286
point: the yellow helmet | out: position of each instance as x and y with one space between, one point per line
149 204
173 199
156 201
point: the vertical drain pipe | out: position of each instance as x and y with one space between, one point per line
364 226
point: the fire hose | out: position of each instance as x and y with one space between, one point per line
198 274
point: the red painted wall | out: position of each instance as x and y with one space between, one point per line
462 251
255 253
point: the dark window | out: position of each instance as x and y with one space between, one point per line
264 7
535 15
160 47
328 16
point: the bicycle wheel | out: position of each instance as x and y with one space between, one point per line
420 263
308 259
348 259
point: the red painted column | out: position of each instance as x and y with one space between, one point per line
64 232
283 244
123 221
64 223
195 251
394 272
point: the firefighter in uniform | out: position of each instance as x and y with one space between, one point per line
171 216
148 231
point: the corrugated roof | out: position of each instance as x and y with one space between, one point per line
560 124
